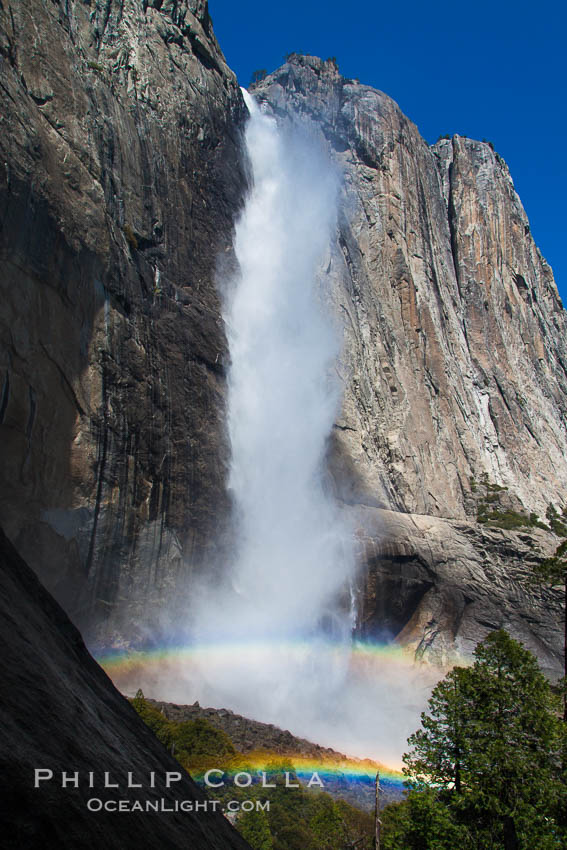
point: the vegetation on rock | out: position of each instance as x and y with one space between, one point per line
131 237
491 511
258 75
297 819
557 522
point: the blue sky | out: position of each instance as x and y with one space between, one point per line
493 70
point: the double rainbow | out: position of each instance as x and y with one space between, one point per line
129 668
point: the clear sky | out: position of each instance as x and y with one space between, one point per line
493 70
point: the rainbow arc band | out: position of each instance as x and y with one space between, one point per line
128 667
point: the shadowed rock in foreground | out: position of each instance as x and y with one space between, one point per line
61 712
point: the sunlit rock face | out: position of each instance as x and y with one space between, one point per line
453 367
455 357
439 585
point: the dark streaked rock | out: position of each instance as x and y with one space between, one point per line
121 175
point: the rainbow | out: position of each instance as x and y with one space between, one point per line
359 653
155 667
352 771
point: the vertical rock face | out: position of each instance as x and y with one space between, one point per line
455 358
121 177
454 370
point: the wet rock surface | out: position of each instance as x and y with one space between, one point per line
121 177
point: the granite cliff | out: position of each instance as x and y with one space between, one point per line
454 370
123 174
455 359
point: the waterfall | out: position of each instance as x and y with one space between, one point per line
285 592
270 633
292 552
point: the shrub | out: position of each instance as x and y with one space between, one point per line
555 520
130 237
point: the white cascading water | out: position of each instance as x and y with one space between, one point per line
292 550
271 638
286 591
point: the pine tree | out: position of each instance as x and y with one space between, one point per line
254 827
422 822
490 747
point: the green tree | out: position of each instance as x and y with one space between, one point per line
200 738
153 718
490 748
326 824
255 829
258 75
556 521
421 822
358 827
